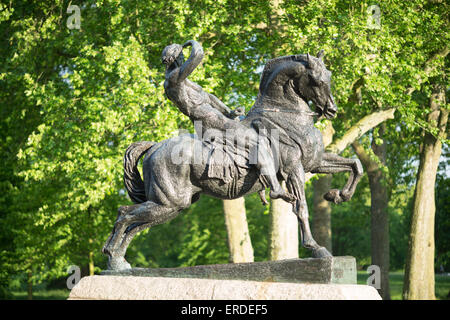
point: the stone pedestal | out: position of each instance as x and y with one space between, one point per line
157 288
331 278
340 270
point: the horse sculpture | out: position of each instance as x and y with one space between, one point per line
171 184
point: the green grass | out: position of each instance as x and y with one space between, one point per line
55 294
442 284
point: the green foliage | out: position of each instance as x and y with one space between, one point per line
73 100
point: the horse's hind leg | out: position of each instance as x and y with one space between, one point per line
130 221
296 185
332 163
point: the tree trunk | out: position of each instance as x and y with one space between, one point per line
283 242
379 216
91 263
321 219
283 238
239 242
419 271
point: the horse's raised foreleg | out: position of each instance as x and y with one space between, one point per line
296 185
130 221
332 163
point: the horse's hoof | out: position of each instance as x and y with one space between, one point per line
118 263
321 252
334 195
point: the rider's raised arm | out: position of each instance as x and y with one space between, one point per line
193 61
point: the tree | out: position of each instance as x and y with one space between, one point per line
102 92
379 207
442 221
321 223
283 235
388 67
239 242
419 273
20 75
88 97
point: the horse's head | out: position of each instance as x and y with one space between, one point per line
317 88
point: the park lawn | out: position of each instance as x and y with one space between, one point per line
54 294
442 284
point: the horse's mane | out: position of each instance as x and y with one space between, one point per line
273 63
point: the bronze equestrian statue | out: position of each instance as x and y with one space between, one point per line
231 156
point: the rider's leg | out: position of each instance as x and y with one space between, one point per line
268 169
213 119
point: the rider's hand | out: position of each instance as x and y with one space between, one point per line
187 43
240 111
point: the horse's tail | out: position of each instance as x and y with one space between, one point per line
131 176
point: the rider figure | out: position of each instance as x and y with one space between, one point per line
197 104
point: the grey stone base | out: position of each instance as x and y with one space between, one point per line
339 270
158 288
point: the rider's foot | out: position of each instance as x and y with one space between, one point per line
286 196
334 195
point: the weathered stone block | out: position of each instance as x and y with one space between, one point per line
339 270
157 288
293 279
